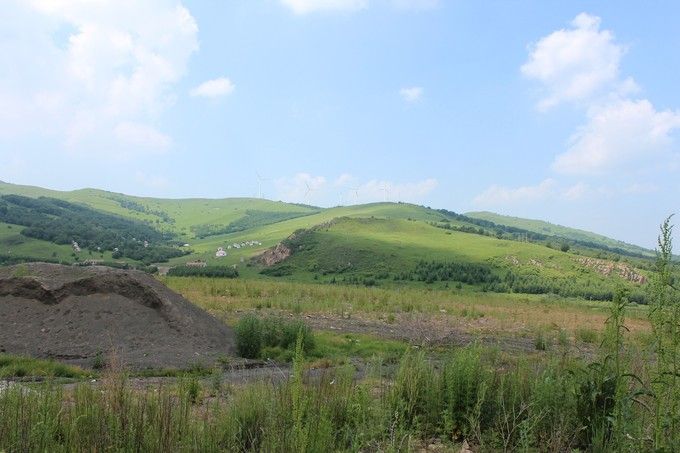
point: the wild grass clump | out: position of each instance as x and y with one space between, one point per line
13 366
586 335
271 337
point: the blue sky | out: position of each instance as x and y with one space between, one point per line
564 111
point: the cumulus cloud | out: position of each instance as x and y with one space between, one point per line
581 65
576 192
213 88
577 63
347 189
380 190
411 94
301 188
500 195
615 134
311 6
94 72
343 180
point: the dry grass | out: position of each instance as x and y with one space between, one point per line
479 312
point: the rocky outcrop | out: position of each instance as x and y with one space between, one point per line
608 268
274 255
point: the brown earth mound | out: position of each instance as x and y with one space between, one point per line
72 314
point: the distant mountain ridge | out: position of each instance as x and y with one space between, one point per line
201 215
550 229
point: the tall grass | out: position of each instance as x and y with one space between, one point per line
665 320
473 394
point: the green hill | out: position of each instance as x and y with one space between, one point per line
559 231
374 251
372 244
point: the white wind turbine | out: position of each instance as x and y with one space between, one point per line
260 180
355 190
385 191
308 192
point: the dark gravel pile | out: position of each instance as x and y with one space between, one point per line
73 314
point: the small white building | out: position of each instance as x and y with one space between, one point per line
220 253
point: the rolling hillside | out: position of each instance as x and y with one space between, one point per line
374 251
378 243
549 229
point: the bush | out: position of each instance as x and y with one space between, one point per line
249 337
207 271
271 337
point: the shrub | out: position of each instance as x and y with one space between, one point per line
249 337
541 342
207 271
273 335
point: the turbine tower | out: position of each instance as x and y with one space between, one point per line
260 179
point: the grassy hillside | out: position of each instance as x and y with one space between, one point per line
397 251
179 216
549 229
377 243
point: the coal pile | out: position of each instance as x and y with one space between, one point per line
80 315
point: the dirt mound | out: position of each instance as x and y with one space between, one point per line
75 313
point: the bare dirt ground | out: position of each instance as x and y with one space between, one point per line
433 331
74 314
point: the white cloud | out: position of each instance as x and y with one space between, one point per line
550 190
618 133
499 195
378 190
301 188
213 88
343 180
576 192
411 94
81 68
347 189
310 6
576 64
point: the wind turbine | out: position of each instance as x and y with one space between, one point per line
308 191
356 192
386 191
260 179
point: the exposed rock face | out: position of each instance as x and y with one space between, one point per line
74 313
274 256
607 268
